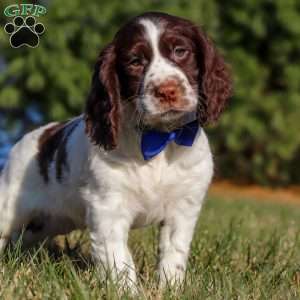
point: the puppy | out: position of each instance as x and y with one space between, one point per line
137 156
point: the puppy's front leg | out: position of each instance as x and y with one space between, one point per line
109 229
175 237
3 243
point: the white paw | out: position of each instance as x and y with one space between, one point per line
124 278
171 275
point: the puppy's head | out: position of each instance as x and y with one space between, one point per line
164 69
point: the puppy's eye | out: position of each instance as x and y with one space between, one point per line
136 62
180 52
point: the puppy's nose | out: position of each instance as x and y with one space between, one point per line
168 91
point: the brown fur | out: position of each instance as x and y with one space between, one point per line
103 105
48 144
53 141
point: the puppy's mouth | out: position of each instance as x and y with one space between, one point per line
168 120
170 114
164 116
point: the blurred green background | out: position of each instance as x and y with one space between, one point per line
258 137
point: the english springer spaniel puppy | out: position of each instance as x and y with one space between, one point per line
137 156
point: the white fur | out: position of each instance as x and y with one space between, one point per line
112 192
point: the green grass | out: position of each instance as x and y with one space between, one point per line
241 250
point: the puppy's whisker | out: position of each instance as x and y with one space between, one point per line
128 100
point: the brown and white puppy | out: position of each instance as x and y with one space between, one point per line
159 72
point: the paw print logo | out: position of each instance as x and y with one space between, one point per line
24 32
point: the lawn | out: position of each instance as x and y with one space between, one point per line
242 249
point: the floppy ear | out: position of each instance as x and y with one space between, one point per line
215 84
102 113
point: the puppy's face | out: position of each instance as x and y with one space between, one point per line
158 70
165 69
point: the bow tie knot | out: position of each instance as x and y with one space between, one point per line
153 141
172 136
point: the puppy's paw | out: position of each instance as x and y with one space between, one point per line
171 275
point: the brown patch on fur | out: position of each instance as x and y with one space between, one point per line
37 224
103 104
48 143
61 157
54 140
61 161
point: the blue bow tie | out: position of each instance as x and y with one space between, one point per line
153 142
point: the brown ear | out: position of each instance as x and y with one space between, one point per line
102 113
215 84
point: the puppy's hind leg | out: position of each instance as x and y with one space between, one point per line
6 225
21 188
14 217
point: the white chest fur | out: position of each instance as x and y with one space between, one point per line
146 191
124 191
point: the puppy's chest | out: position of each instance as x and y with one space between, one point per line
152 189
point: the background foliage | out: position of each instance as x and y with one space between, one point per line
258 137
